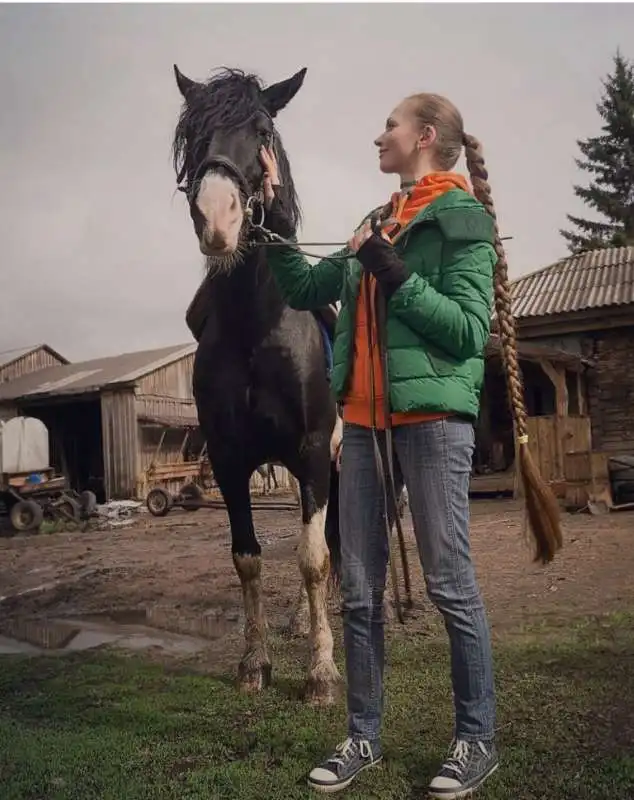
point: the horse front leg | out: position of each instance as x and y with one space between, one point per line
300 618
254 669
324 681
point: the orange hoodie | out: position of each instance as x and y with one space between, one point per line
405 206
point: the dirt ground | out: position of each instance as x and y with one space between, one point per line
176 573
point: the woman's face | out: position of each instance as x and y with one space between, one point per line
399 144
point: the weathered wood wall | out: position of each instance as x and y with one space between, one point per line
551 438
166 395
31 362
120 438
611 389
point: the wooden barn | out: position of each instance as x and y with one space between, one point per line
112 421
556 401
583 307
24 360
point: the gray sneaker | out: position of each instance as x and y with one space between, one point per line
467 767
349 759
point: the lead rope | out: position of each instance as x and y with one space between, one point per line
381 328
272 239
381 467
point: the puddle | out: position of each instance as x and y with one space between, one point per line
212 623
9 647
135 629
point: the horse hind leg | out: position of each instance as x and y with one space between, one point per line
323 681
254 669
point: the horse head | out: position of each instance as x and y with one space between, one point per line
223 124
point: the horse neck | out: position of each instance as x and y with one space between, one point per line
247 299
252 286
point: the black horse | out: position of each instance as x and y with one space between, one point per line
260 372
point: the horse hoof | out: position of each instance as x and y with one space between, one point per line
253 679
324 685
322 695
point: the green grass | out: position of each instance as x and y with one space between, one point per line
119 728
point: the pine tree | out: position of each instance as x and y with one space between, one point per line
609 158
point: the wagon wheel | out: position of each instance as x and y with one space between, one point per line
26 515
88 503
158 502
191 492
67 509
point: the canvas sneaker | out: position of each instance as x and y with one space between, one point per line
467 767
349 759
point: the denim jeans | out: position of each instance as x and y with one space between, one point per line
435 460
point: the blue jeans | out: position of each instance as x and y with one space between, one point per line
435 461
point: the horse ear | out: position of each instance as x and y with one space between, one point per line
185 84
279 95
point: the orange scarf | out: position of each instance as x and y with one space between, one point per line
406 204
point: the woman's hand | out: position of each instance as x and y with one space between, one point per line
276 218
271 175
377 256
360 236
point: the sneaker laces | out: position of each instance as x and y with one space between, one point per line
459 753
346 750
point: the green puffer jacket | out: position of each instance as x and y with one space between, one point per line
438 321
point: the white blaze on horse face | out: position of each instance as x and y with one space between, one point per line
219 202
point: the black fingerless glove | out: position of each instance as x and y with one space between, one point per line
276 218
378 257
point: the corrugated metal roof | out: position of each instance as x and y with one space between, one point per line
9 356
597 279
533 351
90 376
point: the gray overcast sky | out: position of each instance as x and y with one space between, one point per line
98 255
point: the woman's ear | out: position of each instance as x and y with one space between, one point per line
427 137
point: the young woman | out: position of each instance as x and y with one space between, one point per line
432 266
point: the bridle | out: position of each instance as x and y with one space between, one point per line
253 201
257 234
254 210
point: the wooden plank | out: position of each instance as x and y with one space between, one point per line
549 448
581 395
576 434
578 467
600 469
546 449
493 483
176 470
587 479
557 374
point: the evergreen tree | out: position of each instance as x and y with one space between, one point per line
609 158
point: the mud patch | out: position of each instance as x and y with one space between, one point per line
167 629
